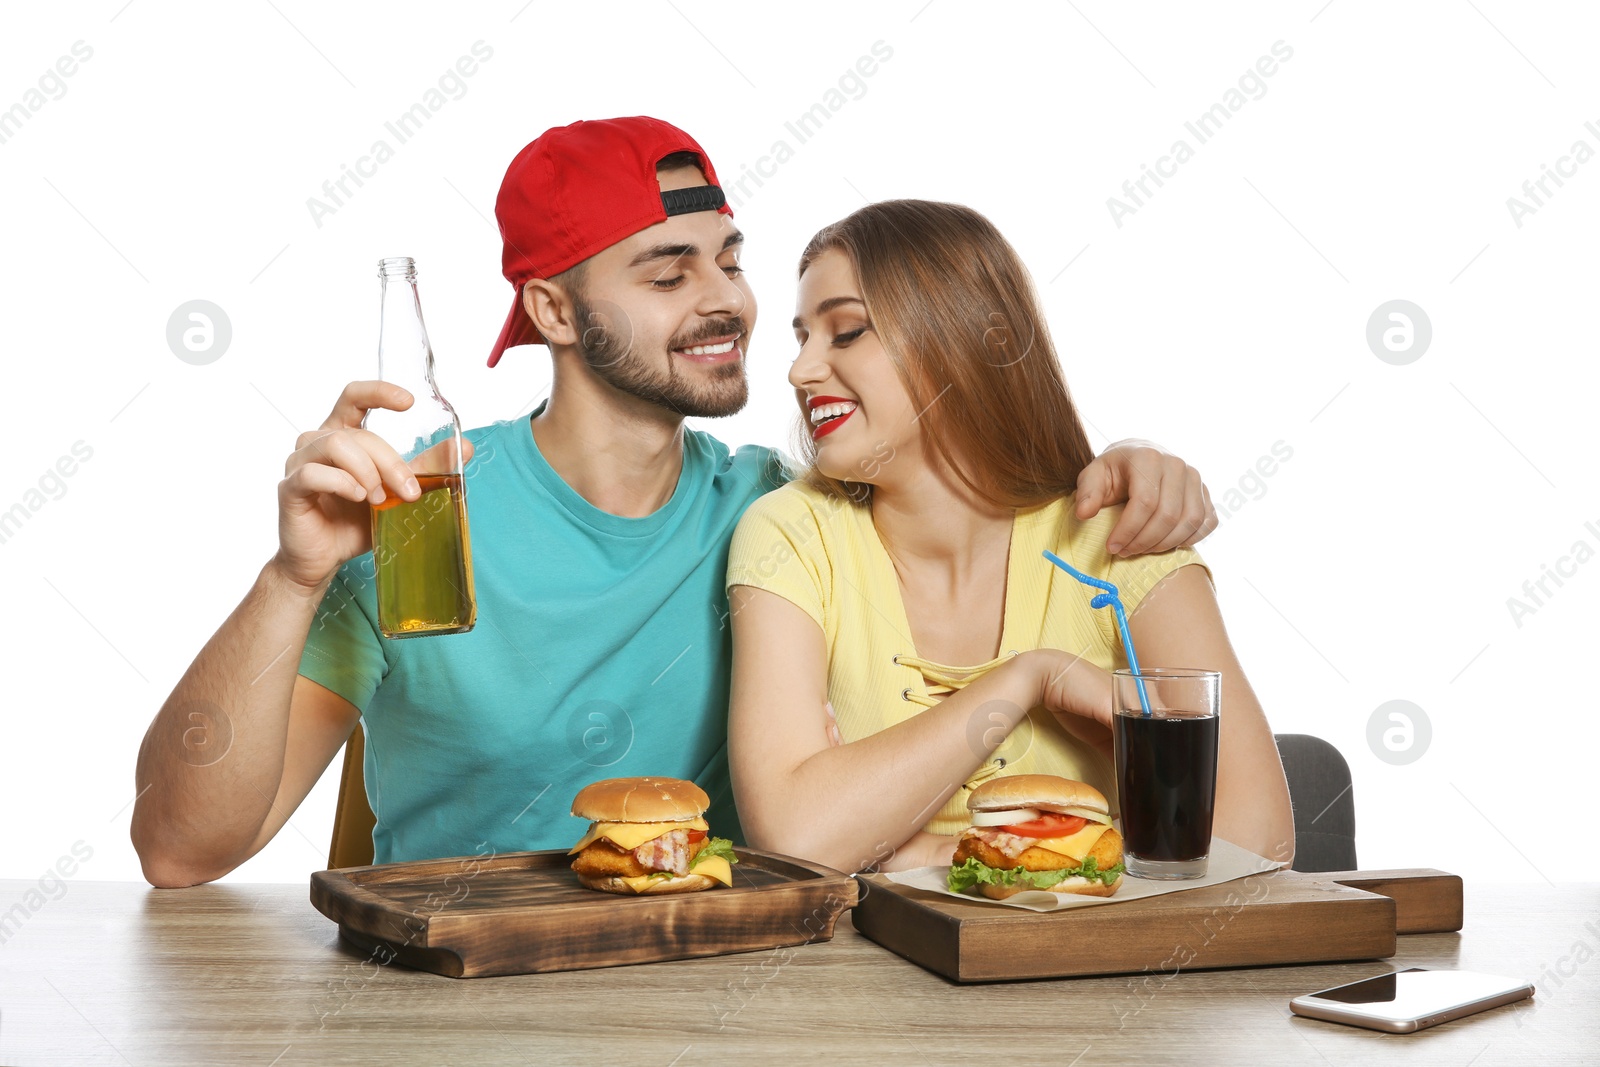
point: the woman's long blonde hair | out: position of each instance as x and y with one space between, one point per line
957 313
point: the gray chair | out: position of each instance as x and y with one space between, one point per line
1324 810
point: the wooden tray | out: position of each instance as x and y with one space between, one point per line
524 913
1278 917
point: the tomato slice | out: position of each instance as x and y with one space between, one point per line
1049 824
696 836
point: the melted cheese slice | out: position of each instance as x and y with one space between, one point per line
630 835
1075 846
712 867
715 867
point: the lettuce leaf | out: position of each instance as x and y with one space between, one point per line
964 876
714 846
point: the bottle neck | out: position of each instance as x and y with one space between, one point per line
406 359
404 355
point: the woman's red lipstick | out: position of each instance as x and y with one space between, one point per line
821 430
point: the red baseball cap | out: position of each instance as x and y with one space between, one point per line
577 190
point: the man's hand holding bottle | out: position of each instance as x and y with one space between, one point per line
333 476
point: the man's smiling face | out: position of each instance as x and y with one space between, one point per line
665 315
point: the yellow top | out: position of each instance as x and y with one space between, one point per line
823 554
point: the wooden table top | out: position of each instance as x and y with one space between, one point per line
116 972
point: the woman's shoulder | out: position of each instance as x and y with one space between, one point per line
799 528
791 541
1082 542
800 502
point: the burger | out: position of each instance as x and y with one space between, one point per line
648 835
1038 831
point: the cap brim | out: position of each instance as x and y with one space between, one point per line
518 330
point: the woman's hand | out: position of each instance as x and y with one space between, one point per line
1079 694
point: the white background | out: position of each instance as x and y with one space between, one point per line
1227 314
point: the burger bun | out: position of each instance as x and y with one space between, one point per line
1043 792
684 883
648 799
1083 887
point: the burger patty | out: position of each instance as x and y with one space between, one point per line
1107 852
602 859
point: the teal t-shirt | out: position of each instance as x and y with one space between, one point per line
602 650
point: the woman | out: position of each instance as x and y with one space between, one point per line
900 587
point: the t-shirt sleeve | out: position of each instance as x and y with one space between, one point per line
1134 576
768 468
344 650
778 547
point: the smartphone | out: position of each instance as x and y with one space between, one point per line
1406 1001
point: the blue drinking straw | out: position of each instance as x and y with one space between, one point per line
1109 598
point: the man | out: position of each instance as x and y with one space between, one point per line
600 531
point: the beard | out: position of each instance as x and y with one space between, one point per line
606 343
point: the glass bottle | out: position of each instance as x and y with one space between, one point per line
420 548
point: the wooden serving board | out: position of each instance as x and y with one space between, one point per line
1278 917
524 913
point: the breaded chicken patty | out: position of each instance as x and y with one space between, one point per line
1107 852
602 859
